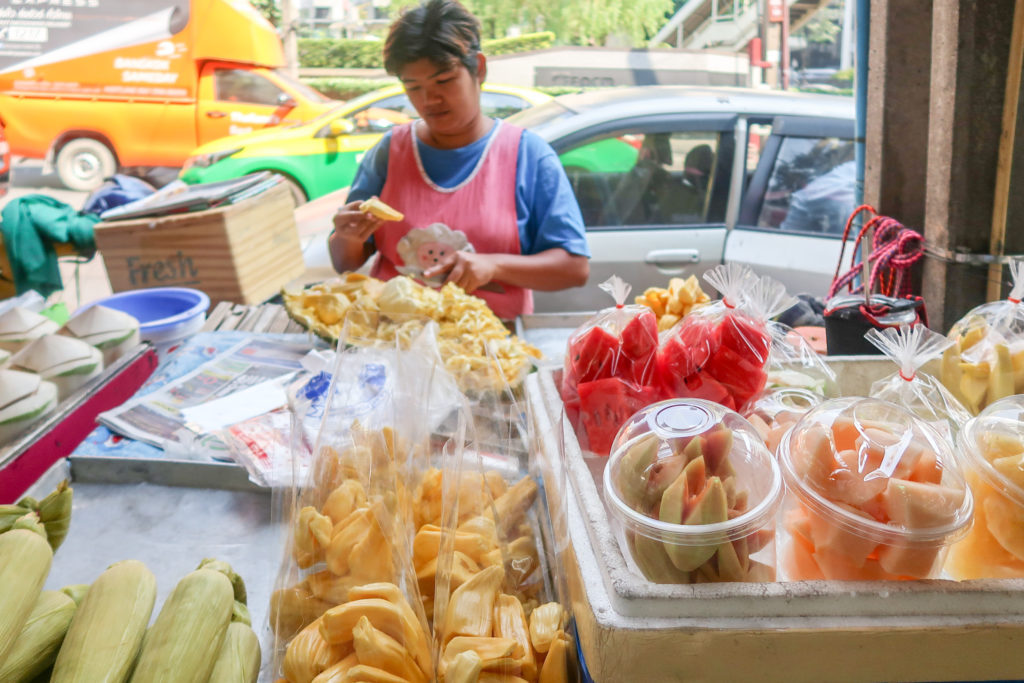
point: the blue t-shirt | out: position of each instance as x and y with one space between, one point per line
546 207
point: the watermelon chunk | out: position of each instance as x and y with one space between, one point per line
746 336
605 405
640 337
592 355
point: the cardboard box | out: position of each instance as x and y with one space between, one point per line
243 253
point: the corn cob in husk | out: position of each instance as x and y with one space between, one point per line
25 559
107 629
36 647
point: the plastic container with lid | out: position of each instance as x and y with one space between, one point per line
778 410
693 494
873 493
992 445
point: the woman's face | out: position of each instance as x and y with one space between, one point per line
447 98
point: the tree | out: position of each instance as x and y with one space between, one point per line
574 22
269 9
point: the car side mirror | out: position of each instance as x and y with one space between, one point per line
341 126
286 100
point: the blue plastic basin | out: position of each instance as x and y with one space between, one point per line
163 312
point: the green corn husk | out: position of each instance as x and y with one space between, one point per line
239 658
36 647
55 513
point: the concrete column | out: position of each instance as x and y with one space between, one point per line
896 145
970 48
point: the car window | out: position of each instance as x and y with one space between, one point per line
239 85
811 187
640 179
382 115
501 105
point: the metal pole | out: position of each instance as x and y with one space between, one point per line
861 108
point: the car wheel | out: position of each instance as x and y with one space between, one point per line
298 195
84 163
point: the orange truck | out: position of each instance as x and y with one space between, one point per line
93 86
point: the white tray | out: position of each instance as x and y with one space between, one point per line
794 631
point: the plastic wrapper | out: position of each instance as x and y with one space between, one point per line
778 410
671 304
794 364
925 396
609 368
720 351
873 493
495 611
986 361
992 448
692 495
347 600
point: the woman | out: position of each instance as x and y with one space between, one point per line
502 187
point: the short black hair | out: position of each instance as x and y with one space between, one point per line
442 31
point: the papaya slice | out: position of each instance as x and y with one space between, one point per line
717 446
927 469
798 563
838 567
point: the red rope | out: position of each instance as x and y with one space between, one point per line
895 248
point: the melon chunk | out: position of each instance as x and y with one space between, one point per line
838 567
927 469
1005 521
854 481
1011 467
914 505
812 457
908 560
829 536
999 444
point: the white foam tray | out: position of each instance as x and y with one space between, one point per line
808 630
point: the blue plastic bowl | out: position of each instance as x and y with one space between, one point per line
164 313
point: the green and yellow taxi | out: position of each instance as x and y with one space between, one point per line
321 155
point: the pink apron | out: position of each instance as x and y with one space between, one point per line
483 207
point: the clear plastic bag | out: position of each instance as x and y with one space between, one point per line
494 608
794 364
719 352
609 368
347 595
986 361
911 348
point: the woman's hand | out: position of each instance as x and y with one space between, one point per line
467 269
353 225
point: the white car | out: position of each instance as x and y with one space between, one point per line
675 180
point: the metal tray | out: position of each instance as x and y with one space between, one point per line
170 515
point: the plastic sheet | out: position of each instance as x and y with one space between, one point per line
873 494
609 368
986 361
911 348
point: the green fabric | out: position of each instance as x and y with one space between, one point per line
31 226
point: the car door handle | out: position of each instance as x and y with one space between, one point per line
672 257
216 114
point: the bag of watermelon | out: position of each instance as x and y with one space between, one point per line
911 348
720 351
985 361
609 369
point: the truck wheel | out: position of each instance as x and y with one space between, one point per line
84 163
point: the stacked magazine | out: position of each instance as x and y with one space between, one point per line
179 197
